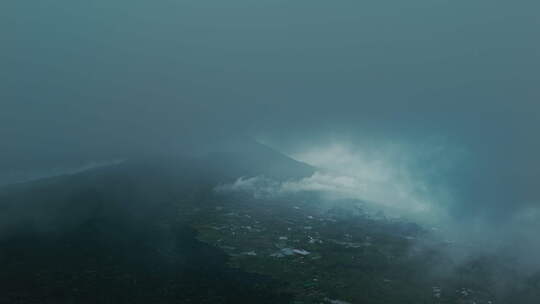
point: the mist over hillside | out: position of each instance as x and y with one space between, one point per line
133 225
367 113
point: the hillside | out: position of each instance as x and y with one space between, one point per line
156 230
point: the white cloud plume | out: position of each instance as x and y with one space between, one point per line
383 178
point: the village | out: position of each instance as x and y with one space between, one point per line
329 253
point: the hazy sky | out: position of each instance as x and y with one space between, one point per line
444 81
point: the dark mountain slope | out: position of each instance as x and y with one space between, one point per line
114 235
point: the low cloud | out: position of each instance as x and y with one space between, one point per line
20 176
398 198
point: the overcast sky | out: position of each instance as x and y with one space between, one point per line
445 81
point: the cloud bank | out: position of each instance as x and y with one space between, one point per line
378 179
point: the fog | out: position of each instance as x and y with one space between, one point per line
430 106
